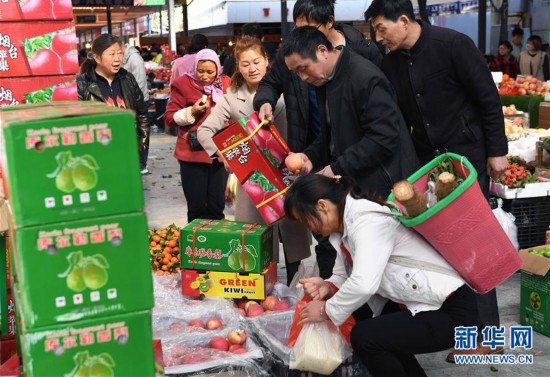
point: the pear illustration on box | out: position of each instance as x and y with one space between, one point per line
85 272
74 172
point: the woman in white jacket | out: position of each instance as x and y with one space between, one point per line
380 263
252 64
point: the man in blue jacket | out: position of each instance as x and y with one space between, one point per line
447 96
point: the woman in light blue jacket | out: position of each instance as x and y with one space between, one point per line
414 298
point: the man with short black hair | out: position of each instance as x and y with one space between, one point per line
517 42
303 114
447 96
363 134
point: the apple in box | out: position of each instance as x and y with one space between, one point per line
38 48
23 90
17 10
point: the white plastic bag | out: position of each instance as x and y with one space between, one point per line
506 220
320 348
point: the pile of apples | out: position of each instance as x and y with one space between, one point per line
197 324
523 86
217 348
251 308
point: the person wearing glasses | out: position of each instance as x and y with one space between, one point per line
301 98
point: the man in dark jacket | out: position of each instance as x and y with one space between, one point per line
301 98
448 98
363 134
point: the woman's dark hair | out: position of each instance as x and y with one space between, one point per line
302 197
100 44
319 11
244 44
536 41
506 44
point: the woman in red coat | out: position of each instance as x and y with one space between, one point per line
191 99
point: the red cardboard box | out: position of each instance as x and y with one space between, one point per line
256 152
10 320
8 348
10 368
37 48
18 90
17 10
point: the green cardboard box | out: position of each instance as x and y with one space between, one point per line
68 162
535 291
217 245
82 269
111 346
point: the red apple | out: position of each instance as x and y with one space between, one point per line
294 162
45 62
214 323
240 350
243 312
64 42
219 343
236 337
249 304
175 327
65 92
269 302
255 311
281 305
69 62
196 323
234 347
242 303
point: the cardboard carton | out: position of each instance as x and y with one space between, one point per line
15 10
38 49
535 290
67 162
82 269
229 284
110 346
256 153
38 89
230 246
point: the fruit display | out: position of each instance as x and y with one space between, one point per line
162 74
522 86
164 248
516 176
216 348
513 128
252 308
543 252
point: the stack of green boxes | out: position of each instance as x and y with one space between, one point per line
80 260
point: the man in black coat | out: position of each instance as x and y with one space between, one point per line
363 134
301 98
448 98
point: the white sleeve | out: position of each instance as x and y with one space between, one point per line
184 117
372 241
220 114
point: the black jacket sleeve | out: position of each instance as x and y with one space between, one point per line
360 45
142 117
271 86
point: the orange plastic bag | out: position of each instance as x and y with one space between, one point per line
295 328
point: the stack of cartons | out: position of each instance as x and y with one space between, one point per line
38 52
80 263
7 307
227 259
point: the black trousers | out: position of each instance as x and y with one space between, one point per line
325 255
387 344
204 189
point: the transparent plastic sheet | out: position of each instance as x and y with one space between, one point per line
273 330
191 353
320 348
